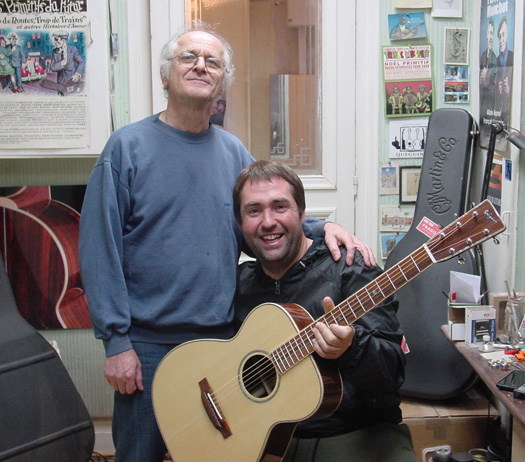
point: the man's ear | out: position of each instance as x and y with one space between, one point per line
238 224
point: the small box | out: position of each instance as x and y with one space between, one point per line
456 331
479 321
456 320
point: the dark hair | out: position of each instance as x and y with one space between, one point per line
503 21
266 170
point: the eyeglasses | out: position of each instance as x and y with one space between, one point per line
190 60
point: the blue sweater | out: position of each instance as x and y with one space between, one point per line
159 245
158 240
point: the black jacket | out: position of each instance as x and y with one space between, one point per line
372 368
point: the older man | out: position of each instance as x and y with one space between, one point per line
158 241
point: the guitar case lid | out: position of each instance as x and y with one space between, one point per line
42 416
435 369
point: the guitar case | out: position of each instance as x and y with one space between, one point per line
42 416
435 369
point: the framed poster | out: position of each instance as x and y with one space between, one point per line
456 45
409 184
388 178
407 72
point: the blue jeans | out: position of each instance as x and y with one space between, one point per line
136 435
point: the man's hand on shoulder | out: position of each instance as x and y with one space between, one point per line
336 235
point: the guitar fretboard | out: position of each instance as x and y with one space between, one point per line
350 310
473 228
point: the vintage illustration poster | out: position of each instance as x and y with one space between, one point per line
43 63
496 63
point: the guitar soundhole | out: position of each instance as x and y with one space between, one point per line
259 376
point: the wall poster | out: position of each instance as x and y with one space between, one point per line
496 63
49 49
407 73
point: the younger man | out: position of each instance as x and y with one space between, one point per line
269 206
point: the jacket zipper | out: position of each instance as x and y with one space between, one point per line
277 288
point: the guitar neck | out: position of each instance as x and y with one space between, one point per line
350 310
471 229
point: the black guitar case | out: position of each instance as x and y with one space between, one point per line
435 370
42 416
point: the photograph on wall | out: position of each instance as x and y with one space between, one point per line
456 84
407 26
388 242
388 178
409 177
496 61
43 64
396 217
407 138
39 227
456 45
447 8
408 98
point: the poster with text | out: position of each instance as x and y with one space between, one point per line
496 63
44 100
407 138
407 72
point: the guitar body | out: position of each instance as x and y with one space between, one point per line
239 400
39 238
260 411
42 415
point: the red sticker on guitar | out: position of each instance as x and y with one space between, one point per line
428 227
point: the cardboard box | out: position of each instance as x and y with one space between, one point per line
479 321
459 422
456 320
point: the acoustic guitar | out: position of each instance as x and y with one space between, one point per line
240 400
39 244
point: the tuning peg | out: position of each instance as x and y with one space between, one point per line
495 240
461 260
480 250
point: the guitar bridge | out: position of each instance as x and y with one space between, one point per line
213 409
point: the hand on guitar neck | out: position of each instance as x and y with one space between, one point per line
332 340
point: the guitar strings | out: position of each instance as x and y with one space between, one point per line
265 368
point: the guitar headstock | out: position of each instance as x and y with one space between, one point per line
477 225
